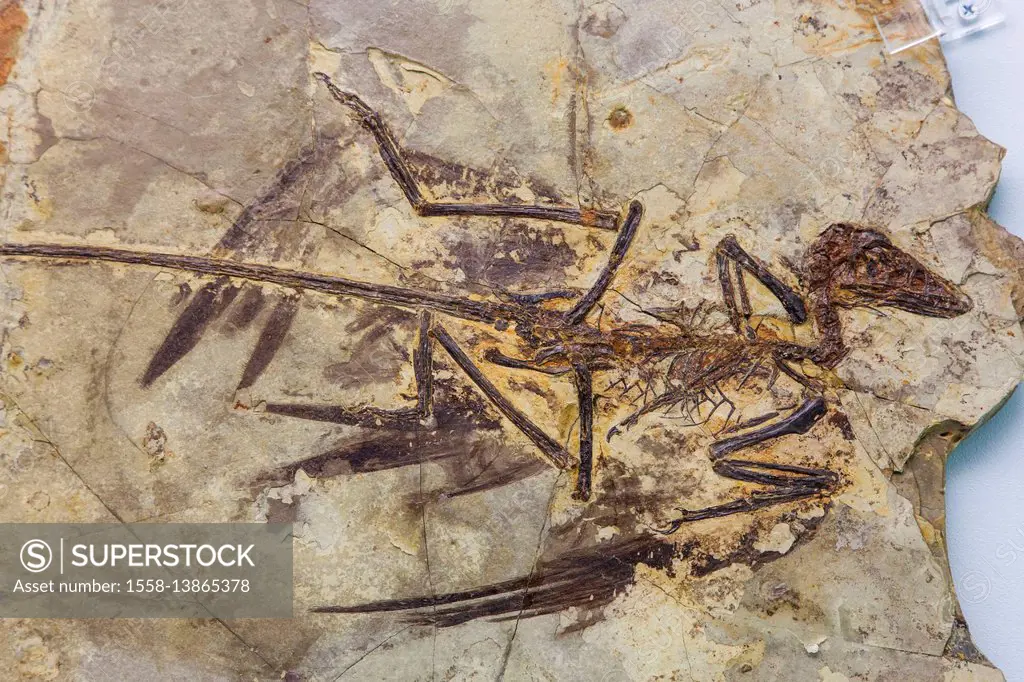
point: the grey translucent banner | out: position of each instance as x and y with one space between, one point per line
146 570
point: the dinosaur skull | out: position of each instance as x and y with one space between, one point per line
861 267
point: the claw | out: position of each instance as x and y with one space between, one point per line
673 525
688 516
627 423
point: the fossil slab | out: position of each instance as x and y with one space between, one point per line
730 259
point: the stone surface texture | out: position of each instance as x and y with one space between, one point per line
197 128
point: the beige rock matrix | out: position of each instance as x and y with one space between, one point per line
578 340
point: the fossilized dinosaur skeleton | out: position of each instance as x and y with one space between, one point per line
846 266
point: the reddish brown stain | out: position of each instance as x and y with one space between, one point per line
620 118
13 21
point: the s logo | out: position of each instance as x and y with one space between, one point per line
36 556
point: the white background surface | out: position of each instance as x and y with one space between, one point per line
985 476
